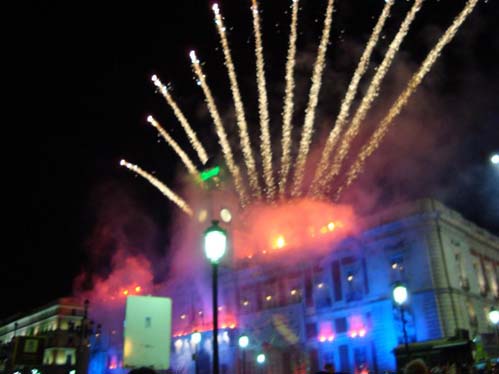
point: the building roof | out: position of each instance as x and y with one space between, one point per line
71 302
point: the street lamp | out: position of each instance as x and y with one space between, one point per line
215 245
260 358
196 339
494 159
400 296
243 344
494 318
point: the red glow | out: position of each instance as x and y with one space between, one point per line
227 322
290 226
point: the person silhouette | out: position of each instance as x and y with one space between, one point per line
142 370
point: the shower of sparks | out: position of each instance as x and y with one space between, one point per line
238 105
172 143
340 137
219 128
371 94
265 146
287 113
196 144
402 100
342 118
313 99
160 186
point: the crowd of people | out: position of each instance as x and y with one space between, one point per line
416 366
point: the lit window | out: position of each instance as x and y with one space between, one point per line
350 277
320 285
183 316
268 297
293 291
245 302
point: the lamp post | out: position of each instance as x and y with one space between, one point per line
215 245
243 344
494 318
260 360
400 296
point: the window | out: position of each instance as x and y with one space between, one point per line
397 269
478 270
491 278
309 291
360 358
354 284
463 279
344 358
311 330
340 325
321 293
472 314
335 270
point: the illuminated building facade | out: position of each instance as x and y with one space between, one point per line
338 307
54 330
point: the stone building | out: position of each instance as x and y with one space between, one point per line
338 307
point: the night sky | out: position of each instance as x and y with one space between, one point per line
89 93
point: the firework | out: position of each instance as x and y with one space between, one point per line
341 120
191 134
160 186
371 94
263 109
219 128
402 100
172 143
341 136
238 105
313 99
287 113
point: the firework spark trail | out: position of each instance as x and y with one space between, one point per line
341 120
265 147
172 143
313 99
196 144
160 186
287 113
238 105
219 128
402 100
370 95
